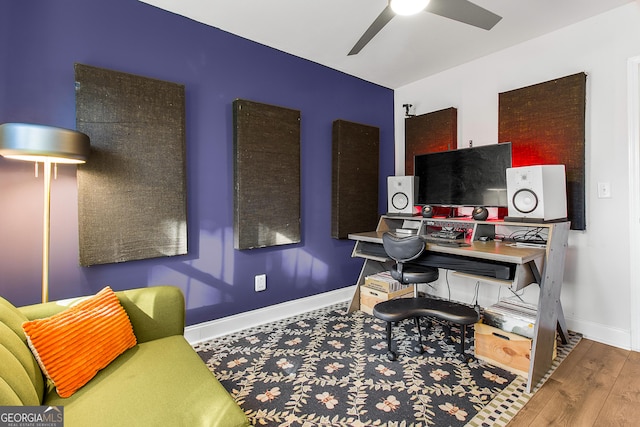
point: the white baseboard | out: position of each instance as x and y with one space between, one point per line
215 328
604 334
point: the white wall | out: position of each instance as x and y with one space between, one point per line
596 289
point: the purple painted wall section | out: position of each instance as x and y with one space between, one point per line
37 84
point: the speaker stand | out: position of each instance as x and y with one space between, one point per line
533 220
402 215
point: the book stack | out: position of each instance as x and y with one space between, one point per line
383 282
381 287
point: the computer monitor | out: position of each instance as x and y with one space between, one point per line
464 177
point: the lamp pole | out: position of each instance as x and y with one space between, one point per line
46 233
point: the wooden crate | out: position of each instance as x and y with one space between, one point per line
370 297
503 349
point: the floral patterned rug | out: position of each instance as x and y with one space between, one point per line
329 368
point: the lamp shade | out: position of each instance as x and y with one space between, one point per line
37 143
408 7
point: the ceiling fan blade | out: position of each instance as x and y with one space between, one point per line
464 11
382 20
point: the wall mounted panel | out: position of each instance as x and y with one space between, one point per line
428 133
355 161
545 123
266 178
132 190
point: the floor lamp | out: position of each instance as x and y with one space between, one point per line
47 145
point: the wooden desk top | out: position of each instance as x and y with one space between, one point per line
491 250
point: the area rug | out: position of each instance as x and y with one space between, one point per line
329 367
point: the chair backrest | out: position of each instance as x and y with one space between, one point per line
402 248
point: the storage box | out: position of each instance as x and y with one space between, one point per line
369 297
383 282
503 349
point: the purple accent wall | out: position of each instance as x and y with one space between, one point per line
37 85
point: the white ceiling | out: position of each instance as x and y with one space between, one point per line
405 50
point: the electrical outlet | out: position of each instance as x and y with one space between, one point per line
604 190
260 282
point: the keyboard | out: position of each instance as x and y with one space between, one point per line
445 235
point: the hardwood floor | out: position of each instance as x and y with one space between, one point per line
596 385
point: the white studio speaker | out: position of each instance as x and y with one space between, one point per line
537 192
401 194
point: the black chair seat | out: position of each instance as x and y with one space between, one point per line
395 310
399 309
415 274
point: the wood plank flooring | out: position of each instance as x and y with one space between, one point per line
596 385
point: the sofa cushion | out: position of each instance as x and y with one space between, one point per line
161 382
155 312
21 381
72 346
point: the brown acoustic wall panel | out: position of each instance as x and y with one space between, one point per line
354 180
545 124
266 175
132 190
428 133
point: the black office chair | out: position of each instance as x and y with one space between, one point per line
403 249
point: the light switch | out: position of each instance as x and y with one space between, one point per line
604 190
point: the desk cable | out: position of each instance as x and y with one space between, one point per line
474 302
475 298
446 277
538 235
476 305
519 296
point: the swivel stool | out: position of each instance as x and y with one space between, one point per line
403 249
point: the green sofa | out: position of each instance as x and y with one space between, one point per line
159 382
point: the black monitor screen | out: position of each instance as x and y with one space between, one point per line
465 177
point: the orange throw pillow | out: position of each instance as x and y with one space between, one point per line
73 345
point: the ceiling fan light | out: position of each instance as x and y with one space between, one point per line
408 7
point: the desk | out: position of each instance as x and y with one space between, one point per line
543 266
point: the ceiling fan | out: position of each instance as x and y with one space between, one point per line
458 10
